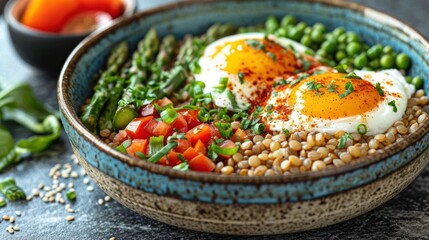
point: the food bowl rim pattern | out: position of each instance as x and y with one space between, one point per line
71 116
129 7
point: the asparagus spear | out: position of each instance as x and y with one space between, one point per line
140 69
164 57
92 112
106 118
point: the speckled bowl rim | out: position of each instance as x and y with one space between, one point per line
71 116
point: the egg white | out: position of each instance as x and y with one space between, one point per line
210 74
377 120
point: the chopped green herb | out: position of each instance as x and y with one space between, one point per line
352 75
305 63
343 140
71 195
313 86
224 151
332 87
269 107
272 56
349 89
258 128
241 77
225 129
255 44
286 132
281 82
2 202
141 155
11 191
223 83
169 115
393 104
379 90
274 93
362 129
342 68
155 144
162 152
184 166
231 98
299 79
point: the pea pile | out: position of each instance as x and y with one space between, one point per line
338 46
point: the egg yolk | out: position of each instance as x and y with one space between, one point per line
257 61
332 96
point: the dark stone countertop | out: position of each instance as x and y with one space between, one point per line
404 217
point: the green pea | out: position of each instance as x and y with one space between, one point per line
320 27
281 32
342 38
353 48
329 46
387 61
317 36
330 36
271 24
347 61
388 49
403 61
301 25
375 64
417 82
340 55
323 53
360 61
352 37
306 40
338 31
308 30
375 51
288 20
408 79
342 46
295 34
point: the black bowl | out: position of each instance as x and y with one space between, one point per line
43 50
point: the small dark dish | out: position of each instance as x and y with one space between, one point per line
43 50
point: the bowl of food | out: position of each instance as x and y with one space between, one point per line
44 33
237 117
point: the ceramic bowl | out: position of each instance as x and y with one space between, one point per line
243 205
43 50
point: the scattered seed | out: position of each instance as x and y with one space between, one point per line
90 189
70 218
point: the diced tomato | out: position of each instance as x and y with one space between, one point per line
136 128
163 161
164 102
161 129
120 137
200 147
202 163
214 131
173 158
239 135
226 144
150 126
113 7
191 117
148 110
182 145
137 145
190 153
201 132
180 124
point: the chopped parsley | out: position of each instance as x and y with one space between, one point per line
342 68
269 107
274 93
286 132
272 56
332 87
313 86
281 82
255 44
223 83
379 90
349 89
352 75
231 98
299 79
241 77
393 104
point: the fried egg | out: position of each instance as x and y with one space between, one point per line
330 101
251 63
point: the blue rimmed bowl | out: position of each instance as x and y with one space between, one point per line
243 205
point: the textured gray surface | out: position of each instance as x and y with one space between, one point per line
404 217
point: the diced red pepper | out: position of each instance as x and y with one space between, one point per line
191 117
161 129
180 124
190 153
136 128
200 147
173 158
202 163
239 135
201 132
120 137
151 126
137 145
182 145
